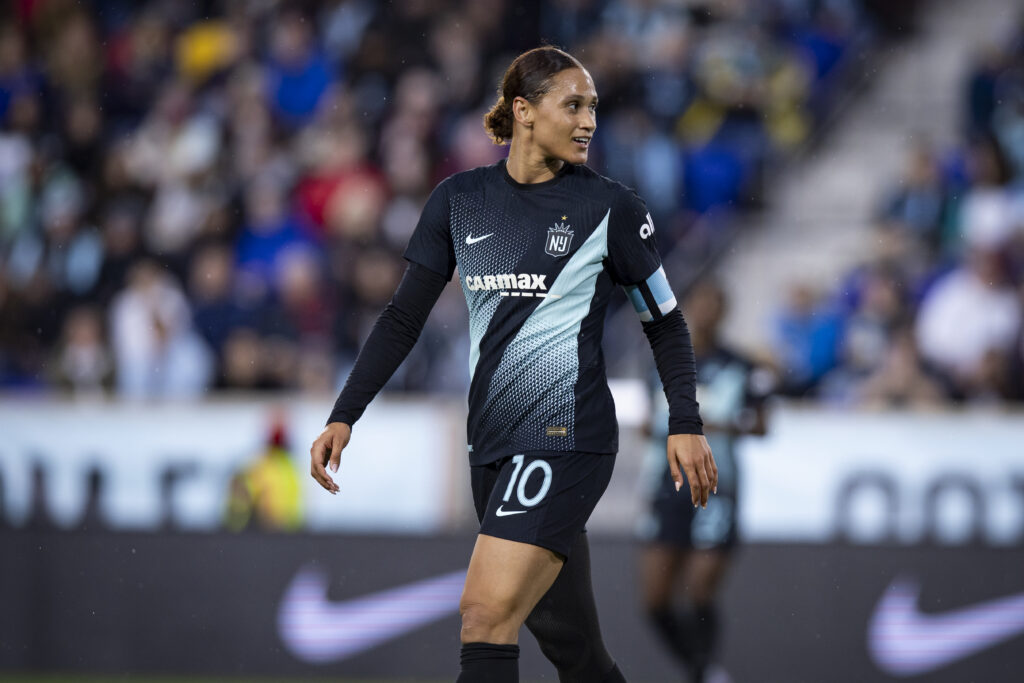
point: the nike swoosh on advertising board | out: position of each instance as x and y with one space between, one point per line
316 630
903 641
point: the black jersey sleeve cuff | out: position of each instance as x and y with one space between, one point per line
393 336
673 354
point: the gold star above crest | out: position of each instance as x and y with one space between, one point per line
565 218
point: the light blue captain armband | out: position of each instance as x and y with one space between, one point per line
652 298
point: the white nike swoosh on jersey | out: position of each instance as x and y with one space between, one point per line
505 513
473 240
316 630
904 641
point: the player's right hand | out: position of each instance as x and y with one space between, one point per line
327 449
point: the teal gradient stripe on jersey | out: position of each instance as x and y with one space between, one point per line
469 209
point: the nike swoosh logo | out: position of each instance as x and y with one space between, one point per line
317 630
473 240
505 513
903 641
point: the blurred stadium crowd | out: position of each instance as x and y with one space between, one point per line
936 315
216 195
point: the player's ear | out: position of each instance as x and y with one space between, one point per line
522 110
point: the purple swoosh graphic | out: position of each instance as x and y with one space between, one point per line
903 641
316 630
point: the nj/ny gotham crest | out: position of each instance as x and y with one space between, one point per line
559 239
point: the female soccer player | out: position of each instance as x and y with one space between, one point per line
540 240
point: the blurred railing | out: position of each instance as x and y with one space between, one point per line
819 476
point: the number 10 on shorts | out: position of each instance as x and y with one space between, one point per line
521 489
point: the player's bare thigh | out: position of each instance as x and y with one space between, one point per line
505 581
660 565
704 573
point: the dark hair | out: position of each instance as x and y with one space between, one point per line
529 77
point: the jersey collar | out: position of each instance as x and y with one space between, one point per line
529 187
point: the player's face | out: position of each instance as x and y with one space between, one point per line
566 117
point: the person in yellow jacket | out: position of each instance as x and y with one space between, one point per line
266 494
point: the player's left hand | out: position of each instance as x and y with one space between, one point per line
690 454
327 450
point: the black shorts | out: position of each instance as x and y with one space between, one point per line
672 519
544 500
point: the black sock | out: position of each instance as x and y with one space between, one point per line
670 627
703 635
489 663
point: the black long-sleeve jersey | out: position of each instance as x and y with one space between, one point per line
537 264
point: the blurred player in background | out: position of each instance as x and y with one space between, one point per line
540 241
684 543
